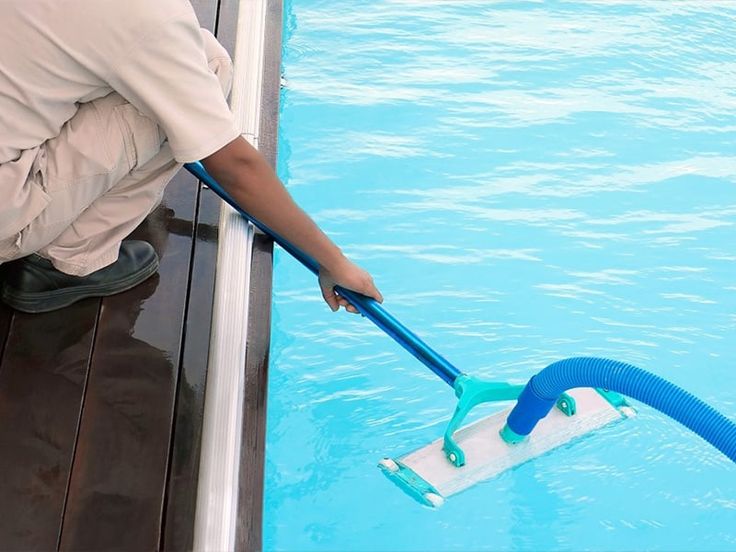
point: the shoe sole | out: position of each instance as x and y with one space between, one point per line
47 301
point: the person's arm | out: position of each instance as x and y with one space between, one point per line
249 179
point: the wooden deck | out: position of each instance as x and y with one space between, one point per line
101 403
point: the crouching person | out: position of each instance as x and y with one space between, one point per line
100 105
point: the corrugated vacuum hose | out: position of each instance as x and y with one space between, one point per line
543 390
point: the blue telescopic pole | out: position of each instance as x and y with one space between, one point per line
367 306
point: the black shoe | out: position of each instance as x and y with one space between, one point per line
32 284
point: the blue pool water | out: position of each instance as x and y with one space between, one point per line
526 181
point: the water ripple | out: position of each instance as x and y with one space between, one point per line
526 181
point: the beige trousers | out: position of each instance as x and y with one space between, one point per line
104 173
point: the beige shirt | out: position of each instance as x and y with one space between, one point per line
55 54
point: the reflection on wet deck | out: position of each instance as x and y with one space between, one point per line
97 399
101 403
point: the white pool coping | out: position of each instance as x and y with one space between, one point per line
216 515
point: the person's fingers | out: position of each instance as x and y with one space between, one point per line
368 288
379 295
360 281
372 291
347 305
328 293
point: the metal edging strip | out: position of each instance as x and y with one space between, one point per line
216 517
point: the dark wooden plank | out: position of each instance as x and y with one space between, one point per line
249 533
6 316
181 496
42 379
206 11
252 453
119 475
271 88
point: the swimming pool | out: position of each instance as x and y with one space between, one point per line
527 181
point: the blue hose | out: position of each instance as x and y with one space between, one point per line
542 391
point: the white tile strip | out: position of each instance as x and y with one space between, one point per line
217 495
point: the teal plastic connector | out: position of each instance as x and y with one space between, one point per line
411 482
617 400
510 436
471 392
565 404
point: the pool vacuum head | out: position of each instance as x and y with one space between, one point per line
429 477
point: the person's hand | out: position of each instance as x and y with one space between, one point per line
349 276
